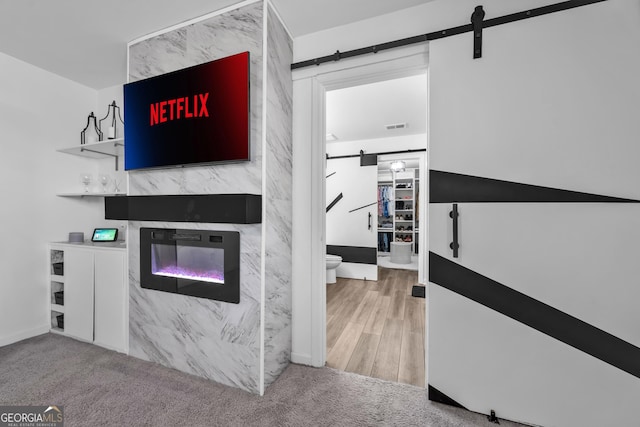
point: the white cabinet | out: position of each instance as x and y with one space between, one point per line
78 294
110 302
93 281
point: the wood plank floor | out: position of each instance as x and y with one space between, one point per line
377 328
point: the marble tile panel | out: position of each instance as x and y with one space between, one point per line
237 31
217 37
158 55
279 110
211 339
234 178
223 362
278 209
223 339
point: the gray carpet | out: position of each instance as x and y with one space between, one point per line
101 387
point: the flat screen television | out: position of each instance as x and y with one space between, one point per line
197 115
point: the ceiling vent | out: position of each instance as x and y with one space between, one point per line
396 126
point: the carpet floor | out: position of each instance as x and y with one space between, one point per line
101 387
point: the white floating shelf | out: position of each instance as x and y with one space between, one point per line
58 308
97 150
56 278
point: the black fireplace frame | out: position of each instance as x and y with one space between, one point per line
227 240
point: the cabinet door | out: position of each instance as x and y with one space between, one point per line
110 282
78 294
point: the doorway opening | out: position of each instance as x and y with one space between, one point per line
376 276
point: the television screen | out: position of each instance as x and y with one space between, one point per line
195 115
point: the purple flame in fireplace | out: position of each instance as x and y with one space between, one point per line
210 276
204 264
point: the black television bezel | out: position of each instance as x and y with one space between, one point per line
186 70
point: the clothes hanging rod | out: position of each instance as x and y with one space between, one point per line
518 16
346 156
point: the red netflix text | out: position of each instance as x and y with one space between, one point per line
179 108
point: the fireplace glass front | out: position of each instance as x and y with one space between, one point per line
199 263
188 262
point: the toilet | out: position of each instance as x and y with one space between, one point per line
333 261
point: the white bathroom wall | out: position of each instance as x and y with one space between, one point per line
358 185
39 113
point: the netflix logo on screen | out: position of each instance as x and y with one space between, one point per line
175 109
197 115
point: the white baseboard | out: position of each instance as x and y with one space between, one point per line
350 270
301 359
23 335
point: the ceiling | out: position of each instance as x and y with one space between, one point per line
361 112
85 41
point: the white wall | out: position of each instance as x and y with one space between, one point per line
39 112
107 166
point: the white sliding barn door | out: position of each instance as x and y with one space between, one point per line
538 144
352 217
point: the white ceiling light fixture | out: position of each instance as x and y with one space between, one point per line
398 166
331 137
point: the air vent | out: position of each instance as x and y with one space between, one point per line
396 126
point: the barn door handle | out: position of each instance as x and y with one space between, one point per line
369 220
454 216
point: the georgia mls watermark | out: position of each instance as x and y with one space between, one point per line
31 416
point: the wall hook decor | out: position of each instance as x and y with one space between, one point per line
112 131
476 19
336 200
83 134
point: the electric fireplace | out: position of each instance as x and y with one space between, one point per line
198 263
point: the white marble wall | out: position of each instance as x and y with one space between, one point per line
215 340
277 215
211 339
218 37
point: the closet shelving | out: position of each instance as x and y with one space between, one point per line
401 224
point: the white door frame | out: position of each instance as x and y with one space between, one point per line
309 154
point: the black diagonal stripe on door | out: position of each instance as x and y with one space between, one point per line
536 314
448 187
